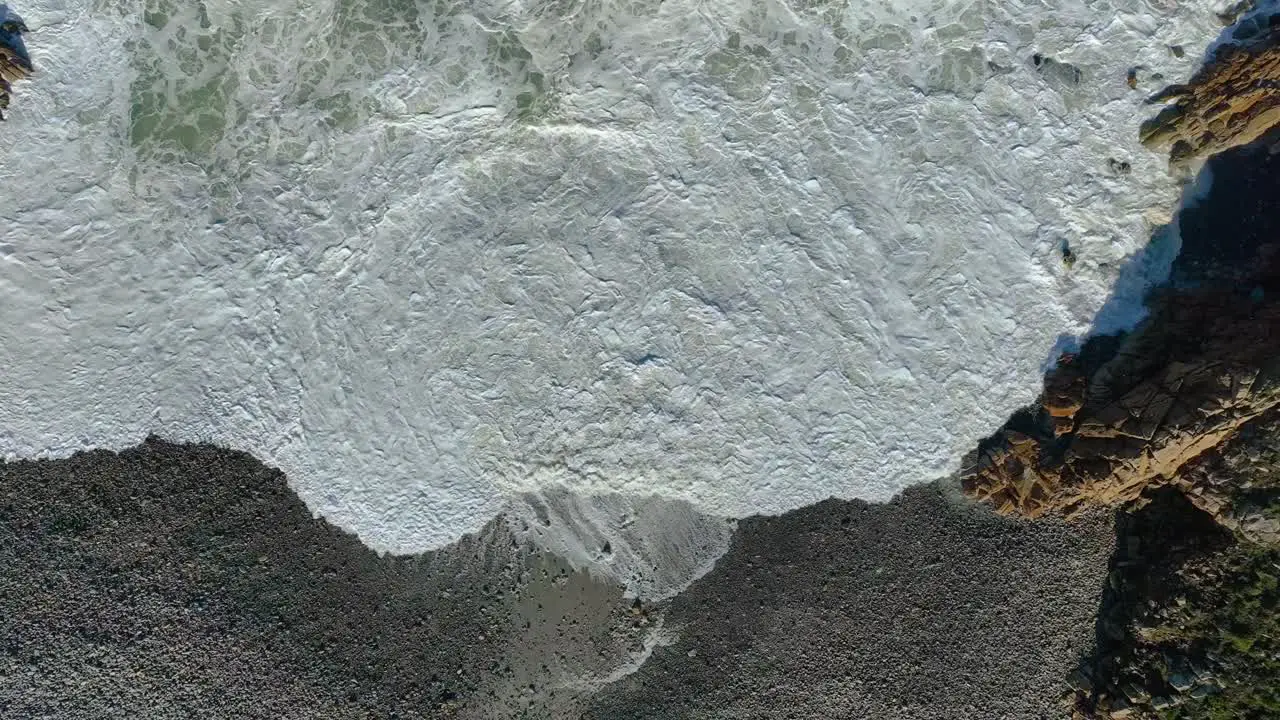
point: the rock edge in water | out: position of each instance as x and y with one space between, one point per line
14 62
1175 427
1233 100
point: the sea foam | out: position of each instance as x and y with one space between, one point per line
434 259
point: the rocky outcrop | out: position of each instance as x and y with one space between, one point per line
1232 101
1188 615
1202 367
1157 406
1138 667
1176 426
14 63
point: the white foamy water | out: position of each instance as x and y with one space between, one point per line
427 257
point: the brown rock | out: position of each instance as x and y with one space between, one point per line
1064 391
1180 387
13 66
1233 100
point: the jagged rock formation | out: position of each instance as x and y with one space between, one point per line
1177 426
1232 101
14 63
1201 368
1156 407
1187 627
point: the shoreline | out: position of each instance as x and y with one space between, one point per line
199 563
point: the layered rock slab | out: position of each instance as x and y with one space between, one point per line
1233 100
15 64
1202 367
1175 426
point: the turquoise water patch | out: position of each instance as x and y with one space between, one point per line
181 100
744 70
509 60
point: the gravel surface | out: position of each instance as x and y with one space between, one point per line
187 581
926 607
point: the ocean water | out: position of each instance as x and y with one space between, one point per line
435 258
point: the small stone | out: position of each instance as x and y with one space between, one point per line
1135 693
1121 709
1080 679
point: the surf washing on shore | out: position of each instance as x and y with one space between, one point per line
622 270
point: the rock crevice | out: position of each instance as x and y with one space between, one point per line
1233 100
